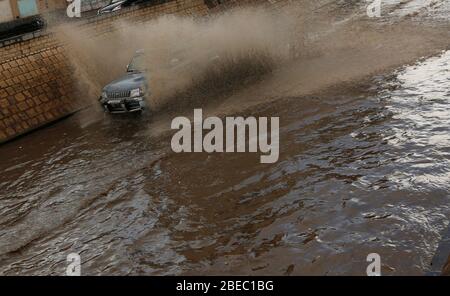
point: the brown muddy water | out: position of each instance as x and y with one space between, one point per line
364 168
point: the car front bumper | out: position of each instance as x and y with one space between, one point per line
127 105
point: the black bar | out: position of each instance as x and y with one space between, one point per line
228 285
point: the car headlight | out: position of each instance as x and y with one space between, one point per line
135 92
104 95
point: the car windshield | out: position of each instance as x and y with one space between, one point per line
137 64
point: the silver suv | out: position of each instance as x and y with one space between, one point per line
128 93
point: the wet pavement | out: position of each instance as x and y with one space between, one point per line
361 171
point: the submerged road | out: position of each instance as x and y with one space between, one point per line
361 170
364 168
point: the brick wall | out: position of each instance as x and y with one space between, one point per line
103 24
26 47
35 88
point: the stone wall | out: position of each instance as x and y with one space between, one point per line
106 23
35 86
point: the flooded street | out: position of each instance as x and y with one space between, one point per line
361 170
364 165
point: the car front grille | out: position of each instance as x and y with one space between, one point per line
118 94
